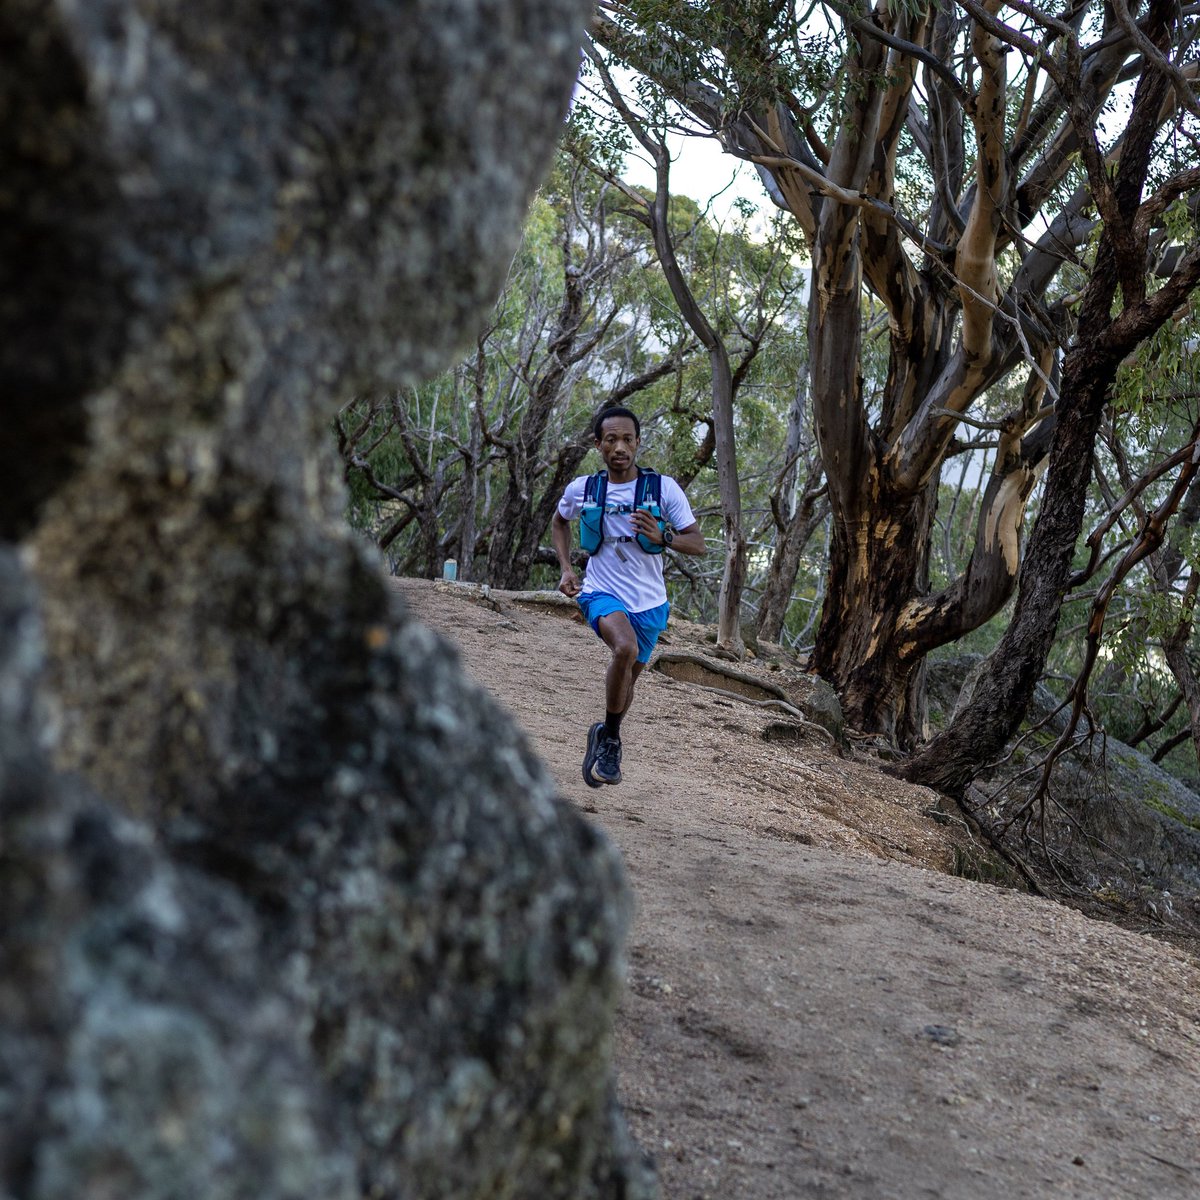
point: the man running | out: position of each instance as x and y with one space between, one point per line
622 595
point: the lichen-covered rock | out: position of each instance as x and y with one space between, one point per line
264 209
1112 792
146 1046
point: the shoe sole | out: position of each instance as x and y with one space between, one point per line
589 759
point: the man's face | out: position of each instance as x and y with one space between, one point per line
618 444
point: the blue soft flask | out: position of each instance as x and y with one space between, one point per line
643 541
591 527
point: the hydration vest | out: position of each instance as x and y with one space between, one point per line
647 495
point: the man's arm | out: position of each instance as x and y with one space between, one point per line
560 539
690 540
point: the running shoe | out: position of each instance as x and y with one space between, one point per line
589 759
607 767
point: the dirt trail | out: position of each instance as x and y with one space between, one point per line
812 1010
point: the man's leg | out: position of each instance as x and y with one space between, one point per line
602 763
646 629
623 667
634 672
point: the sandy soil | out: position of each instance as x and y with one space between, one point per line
815 1006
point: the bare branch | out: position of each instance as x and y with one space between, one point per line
1185 97
1096 538
1148 540
869 27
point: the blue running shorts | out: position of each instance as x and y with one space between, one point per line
646 625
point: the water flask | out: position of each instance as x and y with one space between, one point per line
591 527
645 543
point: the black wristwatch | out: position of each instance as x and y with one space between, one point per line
668 537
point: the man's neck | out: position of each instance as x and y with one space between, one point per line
626 476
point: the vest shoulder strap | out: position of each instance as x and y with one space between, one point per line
596 489
649 488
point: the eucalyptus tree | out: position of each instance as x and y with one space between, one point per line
740 277
1145 270
735 296
921 166
655 212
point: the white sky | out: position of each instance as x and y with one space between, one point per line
702 170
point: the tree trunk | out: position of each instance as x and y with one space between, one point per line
469 488
1003 691
795 520
733 574
880 619
790 542
876 567
513 539
566 467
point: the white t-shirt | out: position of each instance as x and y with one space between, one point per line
624 569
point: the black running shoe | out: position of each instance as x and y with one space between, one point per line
607 767
589 759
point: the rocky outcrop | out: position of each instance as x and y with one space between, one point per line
1145 823
311 871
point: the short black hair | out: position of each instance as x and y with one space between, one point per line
605 413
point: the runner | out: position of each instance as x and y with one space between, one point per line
622 595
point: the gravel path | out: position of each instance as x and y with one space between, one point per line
813 1010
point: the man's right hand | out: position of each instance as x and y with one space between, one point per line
569 584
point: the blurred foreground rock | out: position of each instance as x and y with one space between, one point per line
146 1045
308 919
